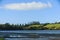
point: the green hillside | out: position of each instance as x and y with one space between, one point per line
53 26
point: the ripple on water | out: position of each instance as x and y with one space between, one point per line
26 38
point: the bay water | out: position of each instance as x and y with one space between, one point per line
35 31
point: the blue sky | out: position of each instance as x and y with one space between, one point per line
24 11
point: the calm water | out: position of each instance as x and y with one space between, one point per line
35 31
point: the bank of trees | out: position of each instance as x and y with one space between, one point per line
31 26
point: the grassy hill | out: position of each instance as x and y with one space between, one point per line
53 26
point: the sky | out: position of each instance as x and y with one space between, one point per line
24 11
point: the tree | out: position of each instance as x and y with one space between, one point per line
34 23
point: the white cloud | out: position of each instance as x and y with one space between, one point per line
27 6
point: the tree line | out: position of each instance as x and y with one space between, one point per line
31 26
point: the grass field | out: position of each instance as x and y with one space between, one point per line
1 38
53 26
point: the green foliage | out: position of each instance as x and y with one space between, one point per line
1 38
35 27
34 23
31 26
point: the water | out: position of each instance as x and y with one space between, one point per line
45 38
26 39
35 31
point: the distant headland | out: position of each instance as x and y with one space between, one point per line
31 26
